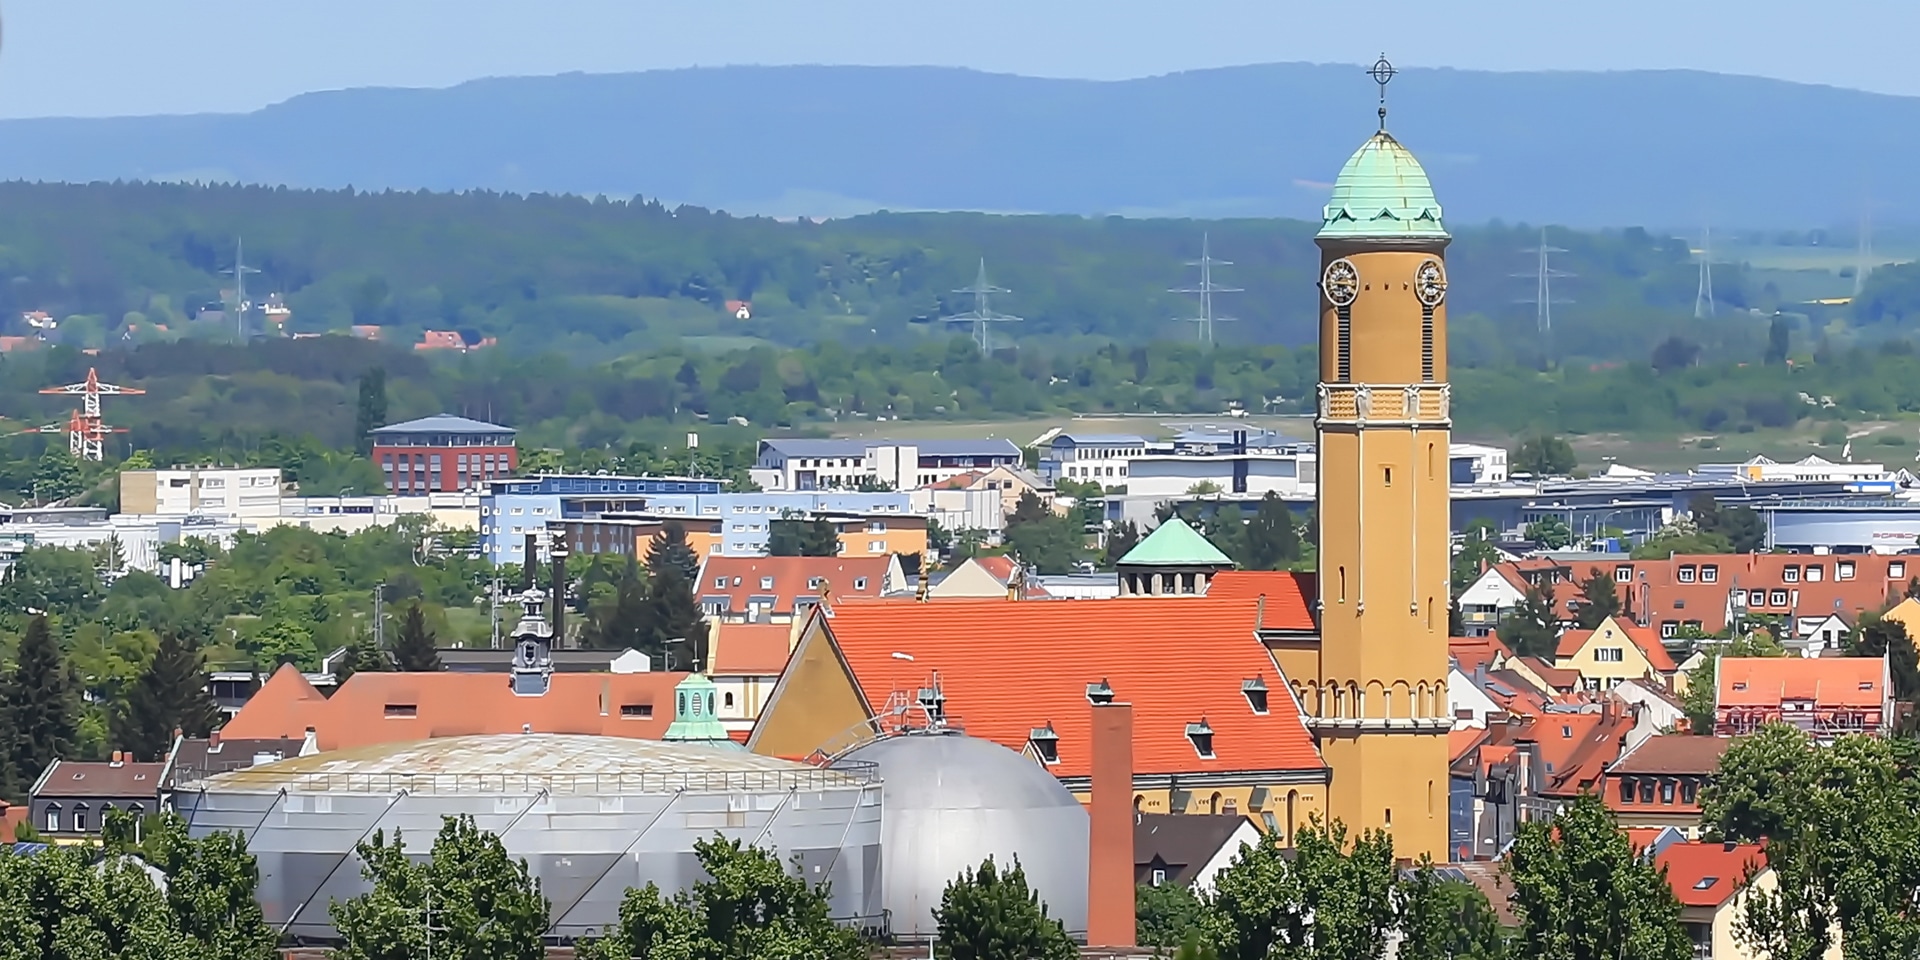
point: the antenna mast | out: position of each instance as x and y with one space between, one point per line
1703 300
239 273
1206 290
1863 265
982 313
1543 276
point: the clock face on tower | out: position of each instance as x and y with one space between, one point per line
1430 283
1341 282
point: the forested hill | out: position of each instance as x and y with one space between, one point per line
1669 148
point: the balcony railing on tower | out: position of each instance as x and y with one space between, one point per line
1386 403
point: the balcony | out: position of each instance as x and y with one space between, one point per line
1384 404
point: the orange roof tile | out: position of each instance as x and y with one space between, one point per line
1645 638
1007 668
395 707
1830 682
11 816
1560 679
751 649
1471 653
1463 740
1290 595
1869 581
1709 874
740 581
1577 747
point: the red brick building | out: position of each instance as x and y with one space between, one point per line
443 453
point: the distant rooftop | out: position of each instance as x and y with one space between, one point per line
813 447
1100 439
442 423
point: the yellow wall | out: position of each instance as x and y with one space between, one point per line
1308 800
1907 612
1384 554
1603 674
1726 920
818 706
904 535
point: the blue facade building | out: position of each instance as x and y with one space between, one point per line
511 509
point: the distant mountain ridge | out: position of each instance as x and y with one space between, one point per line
1660 148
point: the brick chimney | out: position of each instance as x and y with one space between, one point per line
1110 919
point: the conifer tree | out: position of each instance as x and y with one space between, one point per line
372 412
622 622
414 652
171 694
669 550
43 701
673 614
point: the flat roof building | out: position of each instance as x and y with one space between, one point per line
444 453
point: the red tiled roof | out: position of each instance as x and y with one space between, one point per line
1576 747
1873 577
1462 741
1472 653
751 649
1290 595
1709 874
1643 837
75 778
1644 638
11 816
1674 754
739 579
959 481
395 707
1558 678
1836 682
1007 668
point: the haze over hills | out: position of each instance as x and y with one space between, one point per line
1663 148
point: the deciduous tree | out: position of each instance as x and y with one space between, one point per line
1446 919
1582 893
1324 900
991 914
479 901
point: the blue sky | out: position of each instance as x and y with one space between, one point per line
116 57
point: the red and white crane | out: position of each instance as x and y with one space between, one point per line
86 431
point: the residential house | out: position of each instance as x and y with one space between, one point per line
748 659
72 798
1713 882
1826 697
1907 613
1821 636
1652 840
1657 784
1661 707
783 589
1614 651
12 815
1010 481
981 578
372 708
1215 729
1187 849
1494 781
1503 586
194 758
1545 676
452 340
1578 743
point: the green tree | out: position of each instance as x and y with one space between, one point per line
413 651
362 657
991 914
1475 556
1446 919
479 901
620 623
1226 529
371 413
285 639
668 550
1544 456
1703 684
1041 539
52 580
170 695
1165 915
1770 786
66 903
57 476
1549 532
43 704
1739 525
1273 542
1121 538
1532 627
1324 900
1600 599
1881 637
800 536
1582 893
211 884
673 615
749 906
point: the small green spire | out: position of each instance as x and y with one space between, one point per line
694 719
1382 194
1174 544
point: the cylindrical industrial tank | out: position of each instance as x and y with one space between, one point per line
949 802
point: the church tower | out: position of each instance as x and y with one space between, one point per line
1379 705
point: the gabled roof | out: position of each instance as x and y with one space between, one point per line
75 778
1560 679
1576 747
1674 754
194 757
1709 874
1174 544
1471 653
750 649
441 423
741 581
1008 668
373 708
1830 682
1643 638
1290 595
1184 842
811 447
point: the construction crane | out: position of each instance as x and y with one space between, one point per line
86 430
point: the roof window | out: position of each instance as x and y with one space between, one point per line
1705 883
1099 692
1045 743
398 711
1201 735
636 711
1256 692
1739 685
766 583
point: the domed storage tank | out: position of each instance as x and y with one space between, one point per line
951 801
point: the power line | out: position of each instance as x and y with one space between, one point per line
239 272
982 313
1863 264
1543 275
1703 299
1206 290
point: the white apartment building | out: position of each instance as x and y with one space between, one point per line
805 464
1096 457
251 494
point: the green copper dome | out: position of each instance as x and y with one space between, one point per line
1382 194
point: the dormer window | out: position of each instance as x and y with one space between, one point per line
1099 692
1256 693
1709 574
1201 736
766 583
1046 743
813 583
1790 574
398 711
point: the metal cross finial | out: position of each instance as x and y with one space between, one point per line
1382 74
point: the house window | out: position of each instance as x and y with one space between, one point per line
1896 570
1790 574
727 701
1159 876
719 583
1779 598
1689 792
1256 691
1669 630
1626 791
1646 791
1201 736
1666 791
80 819
637 711
1843 570
1610 655
1046 744
53 819
401 711
766 583
1813 574
1623 574
1756 598
1686 574
859 583
1709 574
